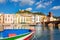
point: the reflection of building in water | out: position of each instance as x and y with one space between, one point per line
38 29
50 35
1 27
38 32
8 26
51 26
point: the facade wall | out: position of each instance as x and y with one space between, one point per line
26 18
16 17
50 19
21 18
8 18
37 18
42 18
1 18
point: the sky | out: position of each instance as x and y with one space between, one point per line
45 6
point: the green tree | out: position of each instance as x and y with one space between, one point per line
39 13
23 11
29 12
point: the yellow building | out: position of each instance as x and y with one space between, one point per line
42 18
29 18
26 18
16 18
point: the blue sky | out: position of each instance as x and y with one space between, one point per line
45 6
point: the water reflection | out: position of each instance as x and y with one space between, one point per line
38 32
46 34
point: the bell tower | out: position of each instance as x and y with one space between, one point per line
50 14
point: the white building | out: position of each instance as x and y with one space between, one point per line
37 18
51 19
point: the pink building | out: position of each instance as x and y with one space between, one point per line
1 18
8 18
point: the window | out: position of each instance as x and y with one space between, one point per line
8 15
5 19
0 18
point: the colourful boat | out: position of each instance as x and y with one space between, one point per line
16 34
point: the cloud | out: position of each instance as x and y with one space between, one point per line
47 3
1 12
24 2
44 3
2 1
29 9
15 0
40 6
55 8
39 2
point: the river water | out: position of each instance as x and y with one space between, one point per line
46 34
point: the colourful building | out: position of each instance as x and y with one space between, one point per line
1 18
37 18
18 19
23 18
8 18
15 21
50 17
42 18
8 21
28 18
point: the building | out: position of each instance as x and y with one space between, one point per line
42 18
18 18
1 22
8 18
50 17
37 18
15 21
1 18
29 19
26 18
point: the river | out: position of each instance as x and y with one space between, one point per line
46 34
